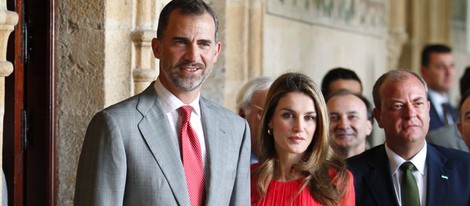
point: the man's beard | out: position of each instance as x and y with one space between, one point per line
189 82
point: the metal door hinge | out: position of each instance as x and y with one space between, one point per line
25 130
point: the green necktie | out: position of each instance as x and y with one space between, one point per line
409 189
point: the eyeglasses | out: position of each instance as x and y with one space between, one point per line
258 107
259 113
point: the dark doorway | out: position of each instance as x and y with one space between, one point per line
29 123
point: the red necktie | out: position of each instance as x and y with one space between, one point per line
192 158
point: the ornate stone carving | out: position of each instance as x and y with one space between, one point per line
8 20
143 72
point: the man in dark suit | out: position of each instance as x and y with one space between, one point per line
440 176
437 69
133 151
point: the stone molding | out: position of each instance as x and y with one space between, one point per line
143 71
397 36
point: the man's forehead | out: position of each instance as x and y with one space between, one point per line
178 14
341 97
465 106
406 82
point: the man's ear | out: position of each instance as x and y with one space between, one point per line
241 113
368 127
376 113
424 71
217 49
156 47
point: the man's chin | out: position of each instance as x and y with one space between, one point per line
188 84
344 137
343 144
414 137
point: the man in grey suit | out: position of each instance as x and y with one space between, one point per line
131 153
447 136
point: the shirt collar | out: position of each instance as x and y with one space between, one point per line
419 160
437 98
170 102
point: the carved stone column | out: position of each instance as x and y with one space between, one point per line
398 35
255 63
8 20
144 62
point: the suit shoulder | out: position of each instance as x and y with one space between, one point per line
365 156
222 111
121 110
145 100
452 154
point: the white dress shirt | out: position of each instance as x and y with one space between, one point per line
170 105
419 160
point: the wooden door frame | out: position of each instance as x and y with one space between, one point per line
30 165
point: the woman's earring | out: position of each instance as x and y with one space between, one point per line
269 132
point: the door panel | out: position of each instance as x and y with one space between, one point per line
28 150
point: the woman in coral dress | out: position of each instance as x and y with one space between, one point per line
297 165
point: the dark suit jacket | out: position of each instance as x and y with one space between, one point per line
374 186
436 121
130 156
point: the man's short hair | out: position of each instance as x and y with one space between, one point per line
187 7
337 73
246 92
433 48
465 81
465 95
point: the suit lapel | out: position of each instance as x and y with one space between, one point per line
155 130
435 118
454 113
380 177
213 133
437 179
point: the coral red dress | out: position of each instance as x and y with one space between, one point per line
285 193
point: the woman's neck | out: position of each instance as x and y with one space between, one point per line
283 170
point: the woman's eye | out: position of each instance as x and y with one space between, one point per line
310 118
287 115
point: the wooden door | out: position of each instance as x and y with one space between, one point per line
28 149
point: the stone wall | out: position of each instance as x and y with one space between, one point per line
313 38
81 84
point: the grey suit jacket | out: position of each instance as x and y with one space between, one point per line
447 136
128 158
